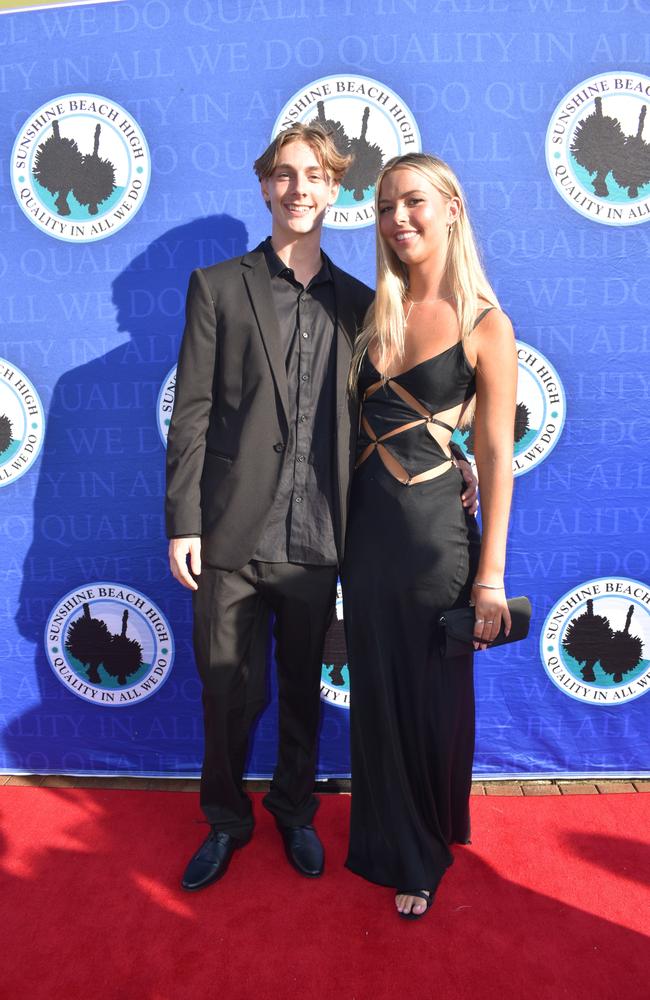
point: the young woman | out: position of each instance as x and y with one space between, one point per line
435 347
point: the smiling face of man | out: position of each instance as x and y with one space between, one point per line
298 192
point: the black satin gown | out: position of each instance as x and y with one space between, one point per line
411 553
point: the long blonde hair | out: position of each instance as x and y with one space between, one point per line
385 321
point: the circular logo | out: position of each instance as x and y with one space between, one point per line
540 412
109 644
595 643
368 120
80 168
335 678
165 403
598 148
22 423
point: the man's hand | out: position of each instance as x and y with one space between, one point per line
179 550
470 495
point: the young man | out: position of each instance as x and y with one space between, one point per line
259 459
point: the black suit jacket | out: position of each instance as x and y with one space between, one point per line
229 426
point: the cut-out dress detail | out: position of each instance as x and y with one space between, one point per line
430 421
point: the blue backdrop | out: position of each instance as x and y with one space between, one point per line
91 313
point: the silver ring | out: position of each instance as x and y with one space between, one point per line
480 621
490 621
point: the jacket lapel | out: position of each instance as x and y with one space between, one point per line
258 284
345 335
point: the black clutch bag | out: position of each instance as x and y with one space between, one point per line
457 627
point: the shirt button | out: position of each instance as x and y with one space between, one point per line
305 378
303 418
298 499
305 334
301 458
278 447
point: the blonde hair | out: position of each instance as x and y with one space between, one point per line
314 135
385 321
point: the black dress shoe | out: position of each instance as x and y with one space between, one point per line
304 849
210 861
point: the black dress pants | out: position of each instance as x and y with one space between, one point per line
231 618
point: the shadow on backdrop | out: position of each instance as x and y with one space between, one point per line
98 516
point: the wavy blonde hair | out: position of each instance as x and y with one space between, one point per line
385 321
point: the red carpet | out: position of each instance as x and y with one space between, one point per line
552 901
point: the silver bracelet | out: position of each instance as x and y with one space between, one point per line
488 586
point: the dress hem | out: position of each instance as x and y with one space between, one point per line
393 884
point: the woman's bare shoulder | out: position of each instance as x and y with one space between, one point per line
492 332
493 324
494 342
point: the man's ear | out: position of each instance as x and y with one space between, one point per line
335 187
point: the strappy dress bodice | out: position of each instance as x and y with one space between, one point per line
403 418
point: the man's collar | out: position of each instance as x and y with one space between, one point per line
277 266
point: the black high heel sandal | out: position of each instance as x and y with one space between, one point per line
424 894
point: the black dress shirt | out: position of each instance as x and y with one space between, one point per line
299 527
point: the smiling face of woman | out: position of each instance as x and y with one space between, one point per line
414 217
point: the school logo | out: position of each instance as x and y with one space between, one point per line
80 168
335 678
368 120
540 412
595 643
165 403
22 423
109 644
598 148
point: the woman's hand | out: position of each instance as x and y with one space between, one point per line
490 609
